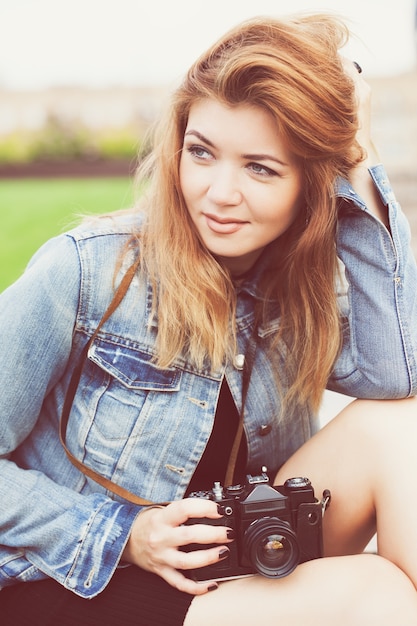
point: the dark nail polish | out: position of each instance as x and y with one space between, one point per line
220 509
224 553
213 587
231 533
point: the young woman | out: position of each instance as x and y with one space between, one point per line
268 261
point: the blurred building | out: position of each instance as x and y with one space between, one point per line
93 108
394 105
394 119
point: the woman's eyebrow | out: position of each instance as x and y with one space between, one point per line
200 136
264 157
249 157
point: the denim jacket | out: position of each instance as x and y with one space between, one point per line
145 427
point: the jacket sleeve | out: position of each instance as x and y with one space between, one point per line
47 529
379 310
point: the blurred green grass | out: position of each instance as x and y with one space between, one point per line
33 210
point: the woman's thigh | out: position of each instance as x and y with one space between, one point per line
358 590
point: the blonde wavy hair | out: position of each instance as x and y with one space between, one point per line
292 68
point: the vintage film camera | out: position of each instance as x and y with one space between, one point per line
276 527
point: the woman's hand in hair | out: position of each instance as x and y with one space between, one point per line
363 94
359 175
158 534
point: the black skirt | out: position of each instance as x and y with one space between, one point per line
133 597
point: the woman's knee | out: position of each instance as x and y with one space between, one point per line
356 456
363 590
355 438
384 594
381 434
370 413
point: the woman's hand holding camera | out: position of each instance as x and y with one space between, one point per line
158 533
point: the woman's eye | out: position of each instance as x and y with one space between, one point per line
261 170
199 152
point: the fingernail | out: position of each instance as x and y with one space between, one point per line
231 533
220 509
213 587
224 553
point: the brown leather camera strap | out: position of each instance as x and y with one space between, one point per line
75 380
247 369
72 389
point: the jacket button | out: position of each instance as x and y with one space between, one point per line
264 430
239 361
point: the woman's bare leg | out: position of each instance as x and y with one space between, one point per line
366 457
359 590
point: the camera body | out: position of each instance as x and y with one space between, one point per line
276 527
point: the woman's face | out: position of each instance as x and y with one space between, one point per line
241 184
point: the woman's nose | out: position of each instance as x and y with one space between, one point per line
224 187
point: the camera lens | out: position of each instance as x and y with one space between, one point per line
272 548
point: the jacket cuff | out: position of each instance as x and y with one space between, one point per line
102 539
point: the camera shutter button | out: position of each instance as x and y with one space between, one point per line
264 430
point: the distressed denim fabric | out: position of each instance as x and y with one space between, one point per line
144 427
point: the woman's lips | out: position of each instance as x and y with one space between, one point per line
223 227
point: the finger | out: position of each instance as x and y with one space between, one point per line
182 583
199 558
180 511
174 558
203 534
351 69
168 538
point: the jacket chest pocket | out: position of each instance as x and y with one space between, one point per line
124 402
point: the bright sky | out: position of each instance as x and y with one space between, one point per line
110 42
